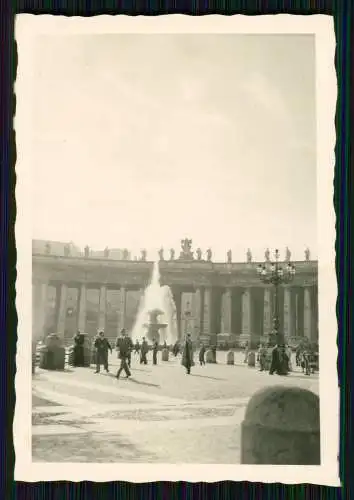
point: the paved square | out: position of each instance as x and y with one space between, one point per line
159 415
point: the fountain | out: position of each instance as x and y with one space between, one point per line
153 325
156 301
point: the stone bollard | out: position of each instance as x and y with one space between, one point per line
281 427
251 359
209 356
52 355
230 358
164 354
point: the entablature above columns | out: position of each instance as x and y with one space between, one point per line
137 274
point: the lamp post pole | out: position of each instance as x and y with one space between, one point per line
187 314
275 274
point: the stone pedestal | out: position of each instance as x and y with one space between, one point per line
230 358
52 355
164 355
281 427
210 356
251 359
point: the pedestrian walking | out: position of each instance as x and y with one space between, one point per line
187 356
79 340
176 349
262 358
155 348
280 361
143 352
102 346
202 355
123 345
137 347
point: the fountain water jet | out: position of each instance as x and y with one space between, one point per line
156 301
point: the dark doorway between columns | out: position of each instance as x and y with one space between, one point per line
257 312
236 311
177 297
216 298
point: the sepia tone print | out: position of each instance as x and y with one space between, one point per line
177 252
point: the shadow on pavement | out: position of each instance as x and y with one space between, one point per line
207 376
143 383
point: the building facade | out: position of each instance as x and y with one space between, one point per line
86 293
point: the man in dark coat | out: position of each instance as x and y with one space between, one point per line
102 346
155 348
176 349
262 358
280 361
143 352
137 347
187 356
79 340
130 344
123 344
202 355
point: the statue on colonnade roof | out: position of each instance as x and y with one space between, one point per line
186 253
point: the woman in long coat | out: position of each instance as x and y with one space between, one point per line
280 361
187 356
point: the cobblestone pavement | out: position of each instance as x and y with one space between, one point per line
159 415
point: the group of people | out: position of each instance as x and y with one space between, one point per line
125 348
280 361
307 358
188 353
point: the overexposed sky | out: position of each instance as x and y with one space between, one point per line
142 140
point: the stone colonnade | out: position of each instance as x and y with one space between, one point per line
203 311
64 309
248 311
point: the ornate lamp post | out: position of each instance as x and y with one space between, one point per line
275 274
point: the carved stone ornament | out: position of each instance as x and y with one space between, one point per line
186 253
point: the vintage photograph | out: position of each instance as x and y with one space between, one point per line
175 248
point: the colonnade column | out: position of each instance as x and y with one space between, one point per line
246 313
207 312
82 309
287 312
307 314
62 309
198 311
102 308
122 308
226 306
267 312
39 309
